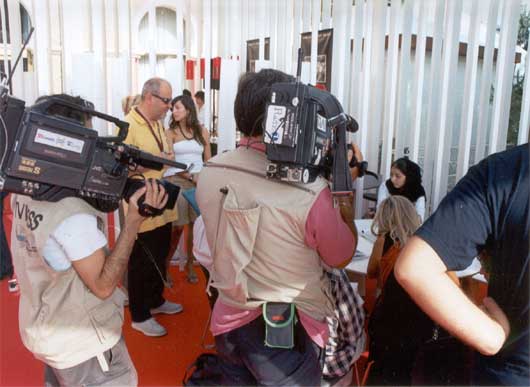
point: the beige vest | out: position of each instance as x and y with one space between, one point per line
61 322
256 232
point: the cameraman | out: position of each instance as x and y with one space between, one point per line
70 312
268 240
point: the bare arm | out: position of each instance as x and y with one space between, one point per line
375 257
100 273
423 275
207 149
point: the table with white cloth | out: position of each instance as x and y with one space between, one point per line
358 266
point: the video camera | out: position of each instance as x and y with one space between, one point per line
52 156
305 134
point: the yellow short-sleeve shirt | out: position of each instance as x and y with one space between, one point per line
140 136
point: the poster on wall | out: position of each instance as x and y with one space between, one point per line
253 53
324 55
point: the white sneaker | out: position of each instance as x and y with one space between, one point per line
150 327
168 308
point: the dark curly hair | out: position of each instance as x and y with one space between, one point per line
191 119
253 92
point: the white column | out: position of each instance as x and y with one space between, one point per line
41 20
417 92
391 86
445 127
340 80
485 81
326 13
297 29
431 144
364 121
524 125
153 44
357 59
227 95
315 24
466 123
207 33
179 14
403 116
244 36
15 30
504 78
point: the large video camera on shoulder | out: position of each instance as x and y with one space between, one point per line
305 134
49 156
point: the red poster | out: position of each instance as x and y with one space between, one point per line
190 67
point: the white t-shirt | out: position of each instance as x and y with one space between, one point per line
75 238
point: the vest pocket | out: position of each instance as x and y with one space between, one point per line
234 247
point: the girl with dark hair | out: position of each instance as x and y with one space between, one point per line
405 180
191 145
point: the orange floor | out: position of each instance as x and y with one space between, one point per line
159 361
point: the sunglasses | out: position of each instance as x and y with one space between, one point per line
165 100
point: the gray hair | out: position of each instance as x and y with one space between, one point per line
153 86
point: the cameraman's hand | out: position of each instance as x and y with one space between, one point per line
355 151
155 196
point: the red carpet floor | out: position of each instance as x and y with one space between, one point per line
159 361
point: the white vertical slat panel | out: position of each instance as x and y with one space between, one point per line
41 15
276 27
391 86
445 127
252 9
326 13
297 29
431 144
216 44
466 124
291 39
405 75
16 45
419 79
152 39
244 35
377 68
365 124
524 124
341 47
207 54
503 82
357 61
281 35
179 22
260 18
315 24
4 35
273 32
485 81
306 15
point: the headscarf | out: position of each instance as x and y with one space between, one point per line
412 189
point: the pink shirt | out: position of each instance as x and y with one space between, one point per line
326 232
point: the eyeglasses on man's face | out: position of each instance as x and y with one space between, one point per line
165 100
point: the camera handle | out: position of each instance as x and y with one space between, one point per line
44 106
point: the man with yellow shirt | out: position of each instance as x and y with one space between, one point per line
147 264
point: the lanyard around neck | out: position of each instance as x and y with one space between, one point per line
158 140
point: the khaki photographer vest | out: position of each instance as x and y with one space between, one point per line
61 322
256 233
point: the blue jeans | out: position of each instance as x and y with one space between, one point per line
245 360
489 371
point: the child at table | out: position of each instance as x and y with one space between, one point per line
395 221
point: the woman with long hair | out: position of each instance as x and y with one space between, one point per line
191 146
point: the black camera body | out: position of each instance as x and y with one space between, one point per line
305 135
50 157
